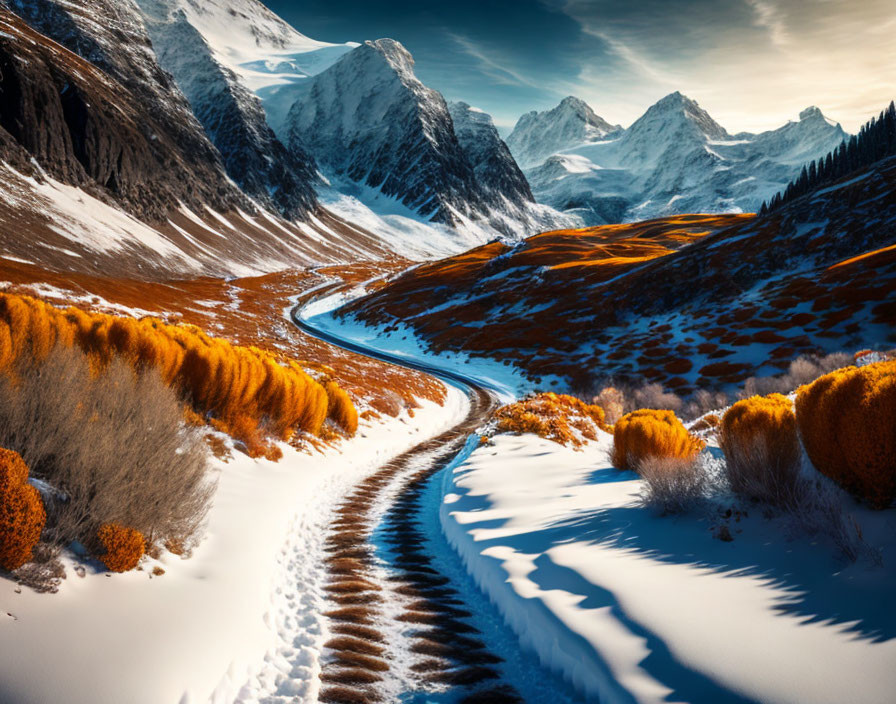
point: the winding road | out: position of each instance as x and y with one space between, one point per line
403 630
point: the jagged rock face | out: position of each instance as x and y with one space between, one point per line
81 126
675 159
180 164
370 119
537 135
492 161
231 115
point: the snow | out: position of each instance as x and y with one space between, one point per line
630 606
239 621
250 40
507 382
401 229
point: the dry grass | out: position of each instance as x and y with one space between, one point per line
671 484
762 450
563 419
245 391
111 449
249 312
651 433
847 421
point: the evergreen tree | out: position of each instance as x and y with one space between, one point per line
876 140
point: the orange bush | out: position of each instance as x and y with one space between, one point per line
563 419
245 389
762 451
847 421
651 433
122 547
22 514
340 408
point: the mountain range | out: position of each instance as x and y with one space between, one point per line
673 159
210 136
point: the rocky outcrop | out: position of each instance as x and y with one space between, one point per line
129 127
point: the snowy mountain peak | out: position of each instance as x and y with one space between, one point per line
396 55
537 135
678 108
811 112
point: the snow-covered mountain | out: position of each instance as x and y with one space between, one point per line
105 169
231 114
538 135
368 120
492 162
673 159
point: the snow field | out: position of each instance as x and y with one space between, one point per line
238 621
630 606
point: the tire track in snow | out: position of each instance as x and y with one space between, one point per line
398 625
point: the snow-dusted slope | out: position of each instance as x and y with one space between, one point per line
369 121
111 35
674 159
537 135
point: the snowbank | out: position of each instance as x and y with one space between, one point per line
240 620
630 606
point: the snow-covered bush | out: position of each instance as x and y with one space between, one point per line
109 448
762 451
22 514
122 547
651 433
847 421
671 484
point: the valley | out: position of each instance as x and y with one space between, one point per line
324 380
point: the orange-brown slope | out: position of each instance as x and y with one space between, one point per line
743 297
247 311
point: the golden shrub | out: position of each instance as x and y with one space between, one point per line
122 547
651 433
847 421
762 450
558 417
340 408
244 389
22 514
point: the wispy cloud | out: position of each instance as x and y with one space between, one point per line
769 16
491 64
633 57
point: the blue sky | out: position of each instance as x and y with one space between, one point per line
753 64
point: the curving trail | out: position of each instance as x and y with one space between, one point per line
400 627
